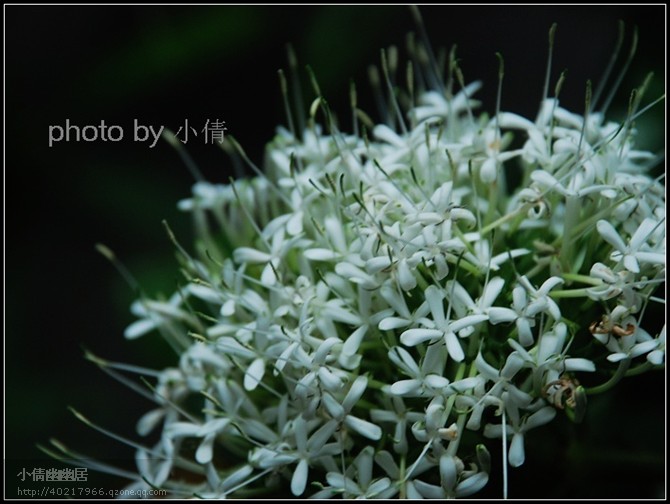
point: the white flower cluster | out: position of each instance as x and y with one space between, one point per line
367 313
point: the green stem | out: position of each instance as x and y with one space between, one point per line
452 449
522 209
642 368
616 378
403 482
572 211
493 199
372 383
576 277
569 293
421 280
460 372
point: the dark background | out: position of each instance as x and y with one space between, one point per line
164 64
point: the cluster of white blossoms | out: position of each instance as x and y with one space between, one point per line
364 317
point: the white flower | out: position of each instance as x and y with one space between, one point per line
503 381
439 327
621 283
156 314
357 481
342 411
305 451
431 428
525 310
482 256
399 305
425 380
319 375
455 481
623 337
279 246
434 104
463 304
657 356
548 360
400 417
636 251
548 182
207 431
518 428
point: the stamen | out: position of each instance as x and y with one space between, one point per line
410 87
287 106
610 65
354 107
435 75
392 96
258 171
619 79
375 84
115 436
587 108
297 90
547 78
501 74
75 459
183 154
125 272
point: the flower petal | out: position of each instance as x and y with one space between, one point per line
492 291
149 420
406 278
470 320
540 417
139 328
364 428
251 256
517 455
610 235
498 315
390 323
405 387
320 254
454 347
413 337
472 485
579 364
402 358
254 374
355 392
448 472
319 439
631 264
488 173
333 407
299 479
205 451
436 382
